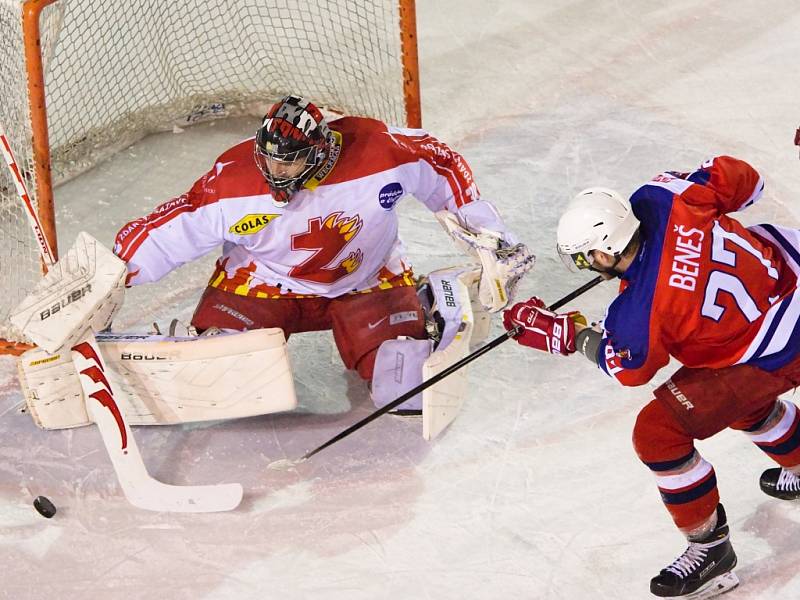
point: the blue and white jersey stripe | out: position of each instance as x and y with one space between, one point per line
777 342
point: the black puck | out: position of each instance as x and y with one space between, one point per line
44 507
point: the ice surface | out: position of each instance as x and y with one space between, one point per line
535 491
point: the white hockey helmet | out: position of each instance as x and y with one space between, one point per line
596 219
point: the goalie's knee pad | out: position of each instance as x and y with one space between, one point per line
398 368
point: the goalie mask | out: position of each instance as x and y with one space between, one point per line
596 219
291 145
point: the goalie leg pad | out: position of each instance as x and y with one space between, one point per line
162 381
453 289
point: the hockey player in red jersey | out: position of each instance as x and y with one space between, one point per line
720 298
306 216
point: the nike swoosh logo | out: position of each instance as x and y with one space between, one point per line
222 165
376 323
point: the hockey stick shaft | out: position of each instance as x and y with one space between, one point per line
448 371
44 246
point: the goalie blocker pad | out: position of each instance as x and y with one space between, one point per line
82 290
162 381
402 364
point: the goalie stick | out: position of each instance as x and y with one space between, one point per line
448 371
139 487
44 246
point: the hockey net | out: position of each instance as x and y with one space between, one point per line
117 71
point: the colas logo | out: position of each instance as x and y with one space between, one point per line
250 224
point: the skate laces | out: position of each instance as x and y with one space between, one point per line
788 481
692 558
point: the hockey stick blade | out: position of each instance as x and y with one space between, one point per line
448 371
151 494
139 487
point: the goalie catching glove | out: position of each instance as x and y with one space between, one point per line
543 329
503 264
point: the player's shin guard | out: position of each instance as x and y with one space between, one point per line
688 488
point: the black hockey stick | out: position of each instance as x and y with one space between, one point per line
448 371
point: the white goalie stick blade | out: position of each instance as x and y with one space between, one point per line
139 487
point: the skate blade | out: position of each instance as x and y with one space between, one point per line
716 587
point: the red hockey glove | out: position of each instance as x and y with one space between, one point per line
541 328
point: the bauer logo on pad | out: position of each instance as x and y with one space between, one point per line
389 195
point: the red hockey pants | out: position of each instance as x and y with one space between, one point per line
697 403
360 322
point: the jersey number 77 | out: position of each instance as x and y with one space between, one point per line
720 281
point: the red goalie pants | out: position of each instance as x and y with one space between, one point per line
697 403
360 322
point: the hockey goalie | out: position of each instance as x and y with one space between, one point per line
306 216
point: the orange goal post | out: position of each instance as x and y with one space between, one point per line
83 79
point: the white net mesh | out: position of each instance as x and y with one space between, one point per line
116 71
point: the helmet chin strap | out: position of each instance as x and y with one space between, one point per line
631 249
612 270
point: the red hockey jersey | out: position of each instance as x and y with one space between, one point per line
703 288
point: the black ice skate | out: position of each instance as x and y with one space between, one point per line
780 483
704 570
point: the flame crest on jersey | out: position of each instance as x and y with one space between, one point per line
327 238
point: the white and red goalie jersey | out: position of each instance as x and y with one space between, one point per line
337 235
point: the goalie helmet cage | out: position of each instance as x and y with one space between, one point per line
83 79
